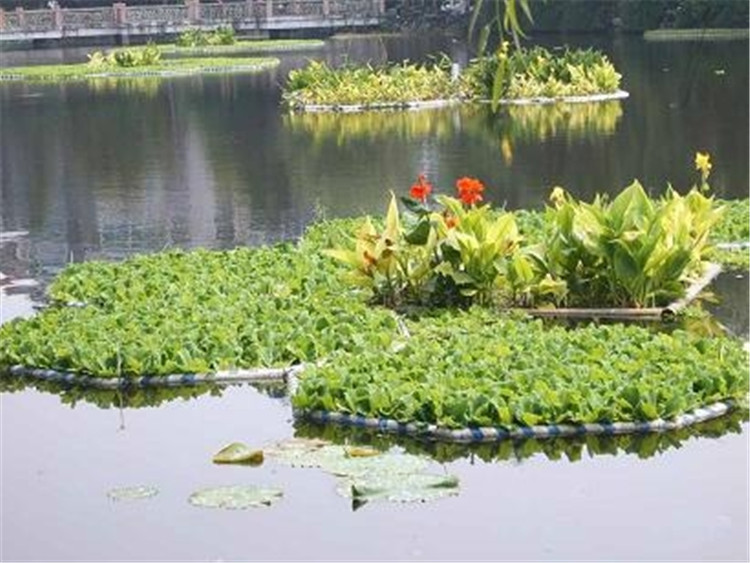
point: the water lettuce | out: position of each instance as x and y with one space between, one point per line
476 369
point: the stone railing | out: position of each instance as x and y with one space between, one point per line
247 14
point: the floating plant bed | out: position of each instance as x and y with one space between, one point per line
384 106
262 46
459 369
704 34
434 104
522 77
542 100
164 69
218 378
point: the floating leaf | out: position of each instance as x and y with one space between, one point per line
132 493
412 487
238 452
235 497
298 452
335 459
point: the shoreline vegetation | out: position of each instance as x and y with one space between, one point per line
530 76
244 46
722 34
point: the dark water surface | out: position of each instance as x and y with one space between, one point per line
105 169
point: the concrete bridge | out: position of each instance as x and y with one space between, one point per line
255 17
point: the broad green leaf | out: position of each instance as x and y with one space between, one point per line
419 234
410 487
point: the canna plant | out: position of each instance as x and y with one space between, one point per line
632 252
450 252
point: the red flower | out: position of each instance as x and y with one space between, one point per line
469 190
421 189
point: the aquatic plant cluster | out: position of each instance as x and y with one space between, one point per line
514 74
734 228
540 72
150 55
205 311
133 65
319 83
243 46
195 312
631 252
477 369
198 38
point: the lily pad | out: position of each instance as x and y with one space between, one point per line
138 492
412 487
238 452
339 460
235 497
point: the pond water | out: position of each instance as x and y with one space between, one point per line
106 169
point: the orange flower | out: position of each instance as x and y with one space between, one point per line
370 259
450 220
469 190
421 189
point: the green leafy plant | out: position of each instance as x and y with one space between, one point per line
319 83
198 38
101 65
538 72
452 252
150 55
633 251
478 368
178 312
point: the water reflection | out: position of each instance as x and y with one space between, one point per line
104 169
732 302
147 87
528 124
130 397
127 398
573 449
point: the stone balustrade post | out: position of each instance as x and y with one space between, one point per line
269 9
120 13
2 18
381 7
326 8
193 10
57 15
21 15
